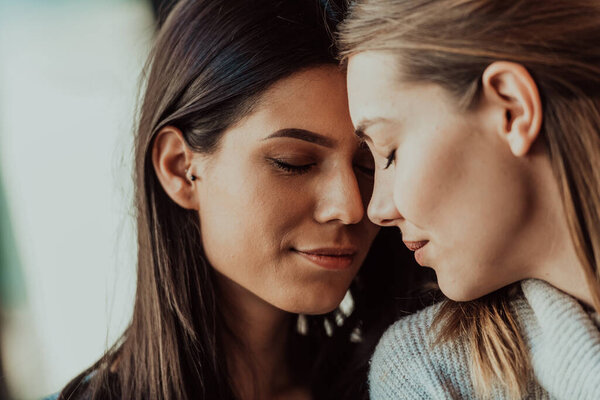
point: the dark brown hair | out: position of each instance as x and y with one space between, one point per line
211 61
451 42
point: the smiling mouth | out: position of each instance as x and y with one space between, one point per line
414 246
331 258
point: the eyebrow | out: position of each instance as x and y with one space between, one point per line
364 124
303 134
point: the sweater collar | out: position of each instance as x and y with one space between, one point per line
563 340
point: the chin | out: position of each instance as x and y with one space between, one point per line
321 310
461 292
314 304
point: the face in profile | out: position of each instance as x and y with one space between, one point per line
445 177
282 201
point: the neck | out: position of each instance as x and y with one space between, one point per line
555 260
256 347
563 270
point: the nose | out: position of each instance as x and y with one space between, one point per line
340 199
382 209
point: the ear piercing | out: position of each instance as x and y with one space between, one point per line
189 175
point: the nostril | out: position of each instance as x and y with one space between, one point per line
386 222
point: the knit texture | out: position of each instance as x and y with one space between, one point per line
562 338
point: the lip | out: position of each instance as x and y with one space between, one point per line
333 258
417 247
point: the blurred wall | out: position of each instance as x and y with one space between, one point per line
68 83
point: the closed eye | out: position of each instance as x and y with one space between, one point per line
291 168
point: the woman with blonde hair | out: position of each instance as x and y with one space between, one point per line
484 120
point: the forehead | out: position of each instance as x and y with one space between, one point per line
377 92
374 66
314 99
317 93
373 85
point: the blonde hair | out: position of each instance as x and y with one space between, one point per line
451 42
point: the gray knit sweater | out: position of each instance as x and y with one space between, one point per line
562 338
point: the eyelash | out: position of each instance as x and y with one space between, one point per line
290 168
303 169
390 159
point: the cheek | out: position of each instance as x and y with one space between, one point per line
244 220
472 200
425 180
460 186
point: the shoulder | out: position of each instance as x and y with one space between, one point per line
407 364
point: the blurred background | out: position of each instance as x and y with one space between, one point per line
69 78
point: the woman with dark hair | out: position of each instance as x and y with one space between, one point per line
250 190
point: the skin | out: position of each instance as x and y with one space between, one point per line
475 186
265 197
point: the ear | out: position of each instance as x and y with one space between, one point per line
172 160
515 100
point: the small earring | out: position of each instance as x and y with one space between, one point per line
189 175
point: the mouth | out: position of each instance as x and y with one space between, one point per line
333 258
416 246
